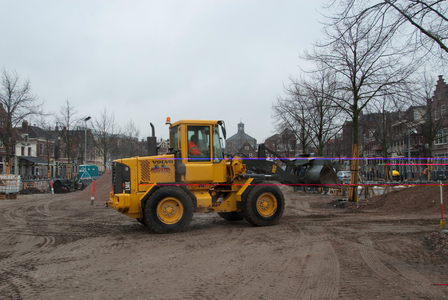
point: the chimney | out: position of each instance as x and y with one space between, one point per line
24 126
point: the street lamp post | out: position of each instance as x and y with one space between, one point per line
85 140
409 156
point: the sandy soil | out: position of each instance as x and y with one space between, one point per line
62 247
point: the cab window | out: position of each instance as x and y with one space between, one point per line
199 143
174 139
217 147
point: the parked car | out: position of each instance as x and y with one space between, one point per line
343 175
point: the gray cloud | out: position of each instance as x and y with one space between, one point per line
146 60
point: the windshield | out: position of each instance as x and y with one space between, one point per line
198 143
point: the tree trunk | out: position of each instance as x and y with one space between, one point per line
353 194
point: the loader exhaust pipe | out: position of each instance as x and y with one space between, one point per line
151 142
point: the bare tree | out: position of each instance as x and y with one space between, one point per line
131 138
423 22
18 103
67 119
335 148
324 117
383 115
105 133
367 67
292 113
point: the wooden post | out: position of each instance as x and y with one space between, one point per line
353 193
7 169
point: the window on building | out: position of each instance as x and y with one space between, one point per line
416 115
439 163
441 137
246 147
23 150
29 151
250 154
26 138
436 113
41 149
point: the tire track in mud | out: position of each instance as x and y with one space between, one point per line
12 285
43 209
223 258
42 250
396 271
6 240
321 275
277 270
14 216
20 211
16 268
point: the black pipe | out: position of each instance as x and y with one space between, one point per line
153 129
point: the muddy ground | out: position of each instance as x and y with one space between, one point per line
62 247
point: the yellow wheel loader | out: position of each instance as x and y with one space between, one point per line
164 191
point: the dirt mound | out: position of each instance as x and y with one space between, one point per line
103 186
438 241
419 199
31 191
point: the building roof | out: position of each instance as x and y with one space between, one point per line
35 160
241 135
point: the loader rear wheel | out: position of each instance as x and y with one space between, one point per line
264 205
141 221
232 216
168 210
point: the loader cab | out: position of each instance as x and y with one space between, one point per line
199 151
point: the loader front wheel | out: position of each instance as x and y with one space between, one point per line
264 205
168 210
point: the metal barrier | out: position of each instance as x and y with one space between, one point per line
9 186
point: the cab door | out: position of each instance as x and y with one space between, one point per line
198 163
204 162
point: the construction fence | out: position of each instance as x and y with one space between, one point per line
43 185
9 186
365 192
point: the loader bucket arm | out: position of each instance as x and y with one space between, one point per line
302 170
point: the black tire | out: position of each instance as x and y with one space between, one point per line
264 205
168 210
232 216
141 221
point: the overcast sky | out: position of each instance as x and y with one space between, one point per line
146 60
